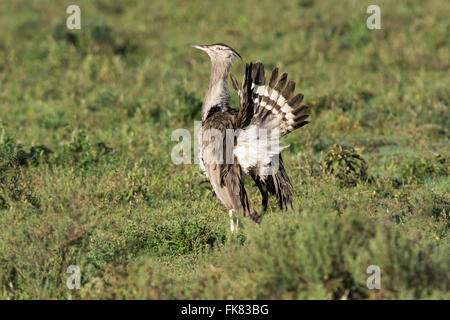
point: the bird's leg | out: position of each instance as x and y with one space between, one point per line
262 189
231 221
234 225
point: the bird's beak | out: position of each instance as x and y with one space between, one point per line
200 47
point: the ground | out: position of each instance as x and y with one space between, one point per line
86 176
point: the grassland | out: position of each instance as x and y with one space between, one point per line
86 176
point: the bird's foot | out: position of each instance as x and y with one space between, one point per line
256 217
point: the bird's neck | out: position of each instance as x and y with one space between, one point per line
218 94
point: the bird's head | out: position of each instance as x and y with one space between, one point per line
219 52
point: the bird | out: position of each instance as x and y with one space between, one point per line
234 144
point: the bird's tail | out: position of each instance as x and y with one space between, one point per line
266 113
275 106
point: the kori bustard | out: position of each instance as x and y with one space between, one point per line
237 143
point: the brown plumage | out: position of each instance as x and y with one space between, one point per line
235 144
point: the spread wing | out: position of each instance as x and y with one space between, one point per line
246 110
272 107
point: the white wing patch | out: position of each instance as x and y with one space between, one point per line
258 148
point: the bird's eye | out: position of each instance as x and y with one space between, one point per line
218 48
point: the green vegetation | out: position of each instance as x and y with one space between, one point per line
86 176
